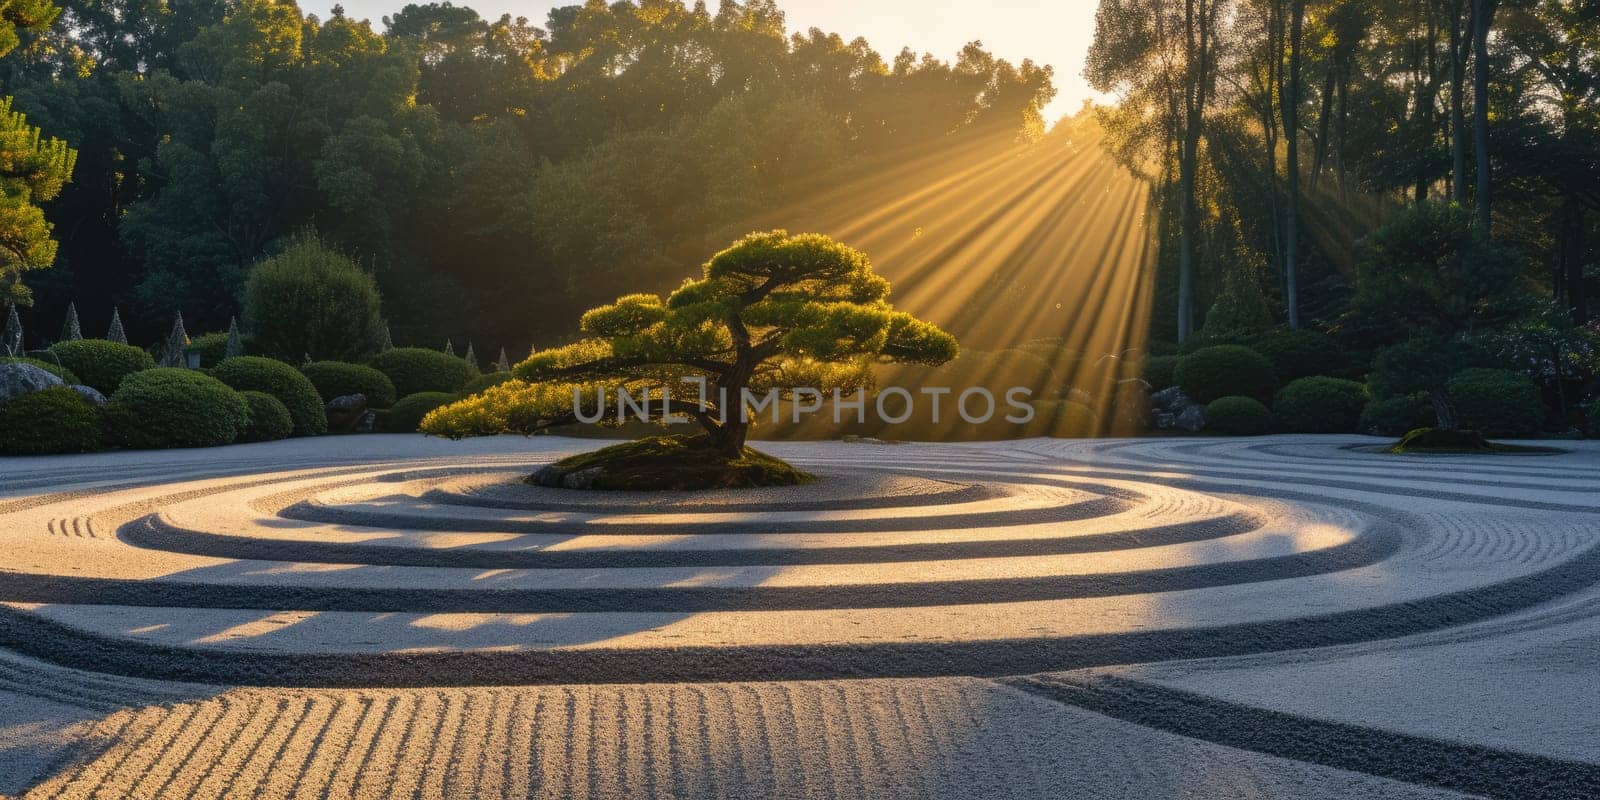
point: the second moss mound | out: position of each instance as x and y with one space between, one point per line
668 463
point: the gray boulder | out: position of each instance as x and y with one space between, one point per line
89 393
347 413
18 379
1171 409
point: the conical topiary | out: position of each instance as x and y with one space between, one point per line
177 350
11 338
504 363
386 342
472 355
449 348
235 345
70 330
115 334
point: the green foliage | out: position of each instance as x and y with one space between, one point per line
269 419
210 346
339 378
1223 371
54 420
1394 416
171 407
33 170
1422 364
102 364
1240 309
66 375
1238 416
1429 266
1320 404
1158 371
407 413
1301 354
481 383
670 463
294 390
417 369
310 300
1496 402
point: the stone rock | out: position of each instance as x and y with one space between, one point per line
583 478
1191 419
17 379
89 393
552 476
1171 409
347 413
368 423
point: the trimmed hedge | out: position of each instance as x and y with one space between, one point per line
414 369
172 407
269 418
483 382
53 420
407 413
1496 402
340 378
1320 404
1225 371
1302 354
1397 416
102 364
1238 416
1158 370
255 373
51 367
211 347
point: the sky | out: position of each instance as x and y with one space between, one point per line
1055 32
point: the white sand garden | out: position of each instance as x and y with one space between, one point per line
400 617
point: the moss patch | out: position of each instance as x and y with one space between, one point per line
668 463
1441 440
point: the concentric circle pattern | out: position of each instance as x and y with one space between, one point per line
308 565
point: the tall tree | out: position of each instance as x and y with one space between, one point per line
1291 139
33 169
1483 12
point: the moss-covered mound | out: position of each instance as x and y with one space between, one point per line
1444 440
660 463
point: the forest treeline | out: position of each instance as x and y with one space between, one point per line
496 177
1282 132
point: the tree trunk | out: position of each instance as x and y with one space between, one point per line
1483 19
1186 242
1320 157
1571 260
1291 133
1458 115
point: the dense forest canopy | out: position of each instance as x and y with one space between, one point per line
496 177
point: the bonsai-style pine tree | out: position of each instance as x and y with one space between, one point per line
773 312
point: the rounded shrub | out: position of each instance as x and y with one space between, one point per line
482 382
1320 404
171 407
339 378
53 420
1496 402
407 413
1238 416
211 347
102 364
294 390
269 418
66 375
1397 416
1158 370
1224 371
415 369
310 299
1302 354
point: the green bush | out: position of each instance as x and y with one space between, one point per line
1421 364
294 390
66 375
482 382
54 420
1302 354
339 378
269 418
1592 416
1397 416
414 369
210 347
1158 370
1496 402
101 364
173 407
1320 404
407 413
1224 371
1238 416
311 300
